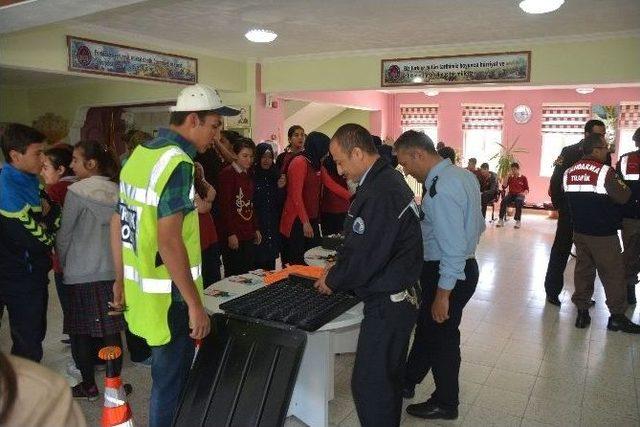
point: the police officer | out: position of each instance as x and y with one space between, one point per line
554 279
629 169
451 230
593 192
380 262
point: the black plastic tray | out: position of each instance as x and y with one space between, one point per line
244 374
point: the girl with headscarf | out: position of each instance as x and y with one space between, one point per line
299 222
267 202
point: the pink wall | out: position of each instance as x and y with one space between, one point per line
270 120
385 116
450 120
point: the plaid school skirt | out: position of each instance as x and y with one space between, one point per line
88 308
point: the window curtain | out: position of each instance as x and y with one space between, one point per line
482 116
629 115
418 115
569 119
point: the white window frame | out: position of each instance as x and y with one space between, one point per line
551 145
485 139
626 144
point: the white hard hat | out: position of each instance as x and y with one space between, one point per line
201 97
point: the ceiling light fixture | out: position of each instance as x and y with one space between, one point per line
260 36
540 6
585 90
417 80
431 92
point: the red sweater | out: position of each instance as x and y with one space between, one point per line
57 192
335 198
208 234
235 196
517 185
304 185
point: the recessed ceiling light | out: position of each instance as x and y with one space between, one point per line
585 90
431 92
540 6
260 36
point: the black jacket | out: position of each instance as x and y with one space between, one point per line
568 157
628 168
382 251
594 195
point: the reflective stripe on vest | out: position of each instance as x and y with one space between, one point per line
624 167
156 286
582 177
145 196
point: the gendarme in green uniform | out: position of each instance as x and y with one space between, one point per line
147 282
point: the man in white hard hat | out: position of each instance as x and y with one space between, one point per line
156 245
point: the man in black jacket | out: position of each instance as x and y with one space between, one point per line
380 261
628 168
554 279
27 224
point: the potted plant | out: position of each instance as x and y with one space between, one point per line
506 156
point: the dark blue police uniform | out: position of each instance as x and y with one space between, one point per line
380 261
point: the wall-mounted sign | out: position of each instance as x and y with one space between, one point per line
506 67
241 121
90 56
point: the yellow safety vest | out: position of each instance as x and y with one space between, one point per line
147 282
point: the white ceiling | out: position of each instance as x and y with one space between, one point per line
41 12
321 26
306 26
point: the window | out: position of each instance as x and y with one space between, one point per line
562 125
421 118
482 130
481 144
629 122
431 131
552 145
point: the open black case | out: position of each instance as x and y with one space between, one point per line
243 375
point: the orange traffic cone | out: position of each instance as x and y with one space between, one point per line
116 411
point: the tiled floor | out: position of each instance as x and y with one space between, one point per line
523 361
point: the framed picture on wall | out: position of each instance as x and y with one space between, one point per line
241 121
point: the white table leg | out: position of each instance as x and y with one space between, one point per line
345 340
311 394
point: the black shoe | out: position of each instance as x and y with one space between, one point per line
583 320
620 322
83 391
408 391
553 300
431 411
128 389
631 294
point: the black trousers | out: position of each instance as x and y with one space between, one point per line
380 362
26 303
332 223
294 246
554 279
517 199
238 261
211 265
139 350
83 348
436 346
